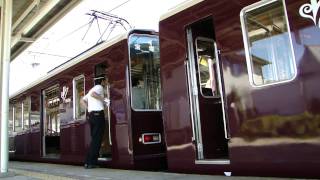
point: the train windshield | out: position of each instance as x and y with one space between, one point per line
145 72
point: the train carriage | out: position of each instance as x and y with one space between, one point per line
240 91
48 124
238 94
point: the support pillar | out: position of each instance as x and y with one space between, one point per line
5 40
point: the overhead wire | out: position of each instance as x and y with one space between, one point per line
113 20
74 31
104 32
98 27
42 53
118 6
91 21
90 25
113 26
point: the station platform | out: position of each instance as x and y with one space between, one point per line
36 171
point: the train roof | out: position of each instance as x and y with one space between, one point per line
180 7
77 59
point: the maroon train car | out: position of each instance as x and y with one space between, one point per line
240 87
48 124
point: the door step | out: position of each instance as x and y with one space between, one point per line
104 159
213 161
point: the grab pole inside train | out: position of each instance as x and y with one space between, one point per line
6 13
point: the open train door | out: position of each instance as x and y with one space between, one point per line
51 122
210 133
105 153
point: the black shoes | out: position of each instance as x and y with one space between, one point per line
89 166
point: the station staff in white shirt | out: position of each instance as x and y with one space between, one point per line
94 101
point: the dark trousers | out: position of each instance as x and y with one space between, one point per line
97 126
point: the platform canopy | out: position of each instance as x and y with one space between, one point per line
31 18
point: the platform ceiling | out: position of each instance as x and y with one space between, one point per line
31 18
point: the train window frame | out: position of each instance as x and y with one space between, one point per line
198 66
130 76
34 113
74 81
11 118
27 100
20 129
246 43
45 121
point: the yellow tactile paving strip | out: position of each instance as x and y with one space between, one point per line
39 175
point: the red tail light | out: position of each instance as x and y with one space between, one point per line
147 138
150 138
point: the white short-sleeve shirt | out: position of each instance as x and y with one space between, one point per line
93 103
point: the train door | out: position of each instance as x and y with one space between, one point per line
145 97
51 122
206 94
105 153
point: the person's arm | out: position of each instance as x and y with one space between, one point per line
84 102
97 96
96 93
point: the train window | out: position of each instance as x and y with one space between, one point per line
35 112
207 69
268 46
52 117
78 91
11 124
35 119
18 117
26 110
145 72
100 70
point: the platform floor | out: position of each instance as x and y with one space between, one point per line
32 171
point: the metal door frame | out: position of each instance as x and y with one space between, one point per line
194 101
44 118
44 114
